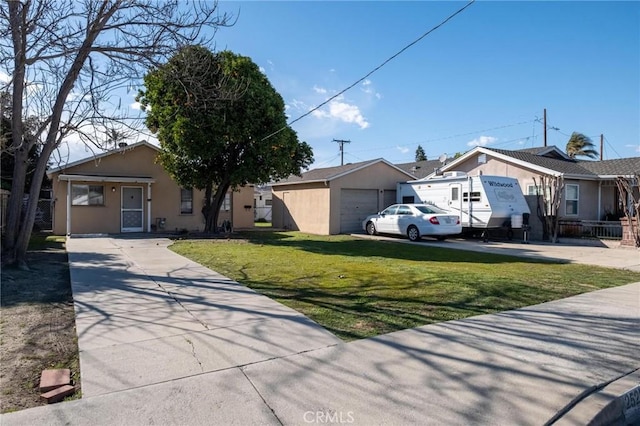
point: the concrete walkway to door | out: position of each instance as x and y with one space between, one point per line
146 315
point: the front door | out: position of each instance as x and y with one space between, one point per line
132 212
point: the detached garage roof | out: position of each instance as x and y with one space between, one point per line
328 174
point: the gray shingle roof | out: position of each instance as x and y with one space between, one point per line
617 167
326 173
420 169
570 167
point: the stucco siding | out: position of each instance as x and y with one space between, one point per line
165 214
303 207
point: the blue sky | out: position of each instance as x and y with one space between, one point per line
483 78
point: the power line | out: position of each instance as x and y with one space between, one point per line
451 137
372 71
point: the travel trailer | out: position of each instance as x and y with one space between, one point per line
481 201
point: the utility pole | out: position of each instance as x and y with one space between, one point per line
601 146
341 143
544 125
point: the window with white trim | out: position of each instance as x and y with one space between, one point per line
571 198
87 195
186 200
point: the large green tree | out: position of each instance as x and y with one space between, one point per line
220 124
580 145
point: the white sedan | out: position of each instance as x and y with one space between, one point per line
414 221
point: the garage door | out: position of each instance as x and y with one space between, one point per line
355 206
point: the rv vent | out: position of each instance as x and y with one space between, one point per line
454 174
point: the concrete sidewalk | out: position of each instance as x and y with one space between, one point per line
166 341
146 315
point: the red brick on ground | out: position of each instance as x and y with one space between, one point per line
58 394
52 379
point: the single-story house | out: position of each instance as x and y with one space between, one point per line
590 192
126 190
335 200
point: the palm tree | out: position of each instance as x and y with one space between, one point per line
580 145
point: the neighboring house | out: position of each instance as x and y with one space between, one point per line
590 191
421 169
262 203
126 190
336 200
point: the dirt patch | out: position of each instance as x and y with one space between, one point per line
37 327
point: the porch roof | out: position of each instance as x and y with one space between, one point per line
100 178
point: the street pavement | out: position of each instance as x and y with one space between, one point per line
166 341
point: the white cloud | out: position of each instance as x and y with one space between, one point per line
402 149
482 141
136 106
636 148
320 90
378 95
343 111
262 70
367 82
4 78
295 103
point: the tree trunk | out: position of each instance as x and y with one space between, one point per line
218 199
212 206
22 242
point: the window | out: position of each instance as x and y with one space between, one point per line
475 196
390 210
226 204
534 190
571 195
186 200
455 193
408 199
404 210
87 195
268 202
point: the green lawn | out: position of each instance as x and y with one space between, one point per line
360 288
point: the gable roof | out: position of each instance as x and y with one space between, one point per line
102 155
565 167
420 169
328 174
548 161
546 151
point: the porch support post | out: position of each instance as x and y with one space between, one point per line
148 206
69 207
599 200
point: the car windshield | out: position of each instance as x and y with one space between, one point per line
429 209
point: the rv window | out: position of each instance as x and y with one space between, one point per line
455 193
475 196
408 200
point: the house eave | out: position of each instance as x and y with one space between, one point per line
113 179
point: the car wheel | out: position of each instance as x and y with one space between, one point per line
413 233
371 228
441 237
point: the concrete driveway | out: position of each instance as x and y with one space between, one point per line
164 340
588 252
